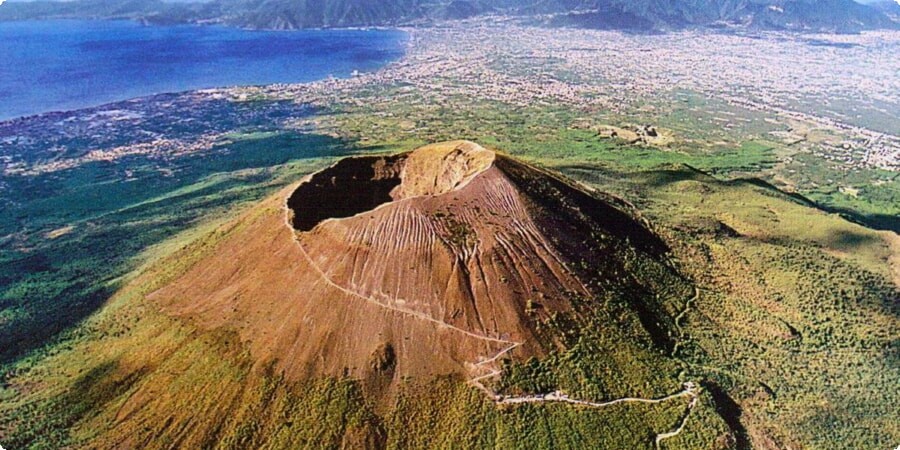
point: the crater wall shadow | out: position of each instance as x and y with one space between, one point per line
350 187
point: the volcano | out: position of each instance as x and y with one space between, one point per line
456 297
381 296
434 262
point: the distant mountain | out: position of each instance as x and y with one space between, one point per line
90 9
386 298
291 14
793 15
147 11
889 7
261 14
457 10
838 15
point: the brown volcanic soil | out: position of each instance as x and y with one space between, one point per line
440 261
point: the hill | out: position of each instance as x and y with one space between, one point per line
98 9
889 7
643 15
283 14
793 15
433 288
461 297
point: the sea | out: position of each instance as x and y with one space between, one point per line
59 65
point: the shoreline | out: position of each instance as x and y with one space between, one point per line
404 46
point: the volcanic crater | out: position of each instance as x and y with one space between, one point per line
356 185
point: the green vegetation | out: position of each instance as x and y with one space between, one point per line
795 322
793 334
48 283
143 353
555 137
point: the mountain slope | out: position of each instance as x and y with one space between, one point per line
428 258
281 14
889 7
795 15
327 320
797 322
464 298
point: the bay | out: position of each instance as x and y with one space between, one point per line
69 64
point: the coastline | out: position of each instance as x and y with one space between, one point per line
344 69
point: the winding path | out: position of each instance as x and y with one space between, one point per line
680 317
689 388
684 421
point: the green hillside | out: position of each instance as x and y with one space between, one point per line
767 303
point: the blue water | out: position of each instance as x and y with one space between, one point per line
61 65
